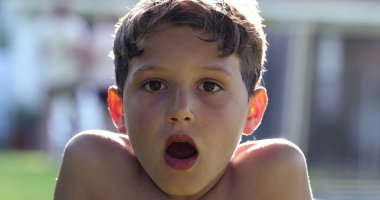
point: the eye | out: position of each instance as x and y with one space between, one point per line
154 85
210 86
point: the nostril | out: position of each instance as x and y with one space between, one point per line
175 120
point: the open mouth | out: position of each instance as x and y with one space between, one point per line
180 152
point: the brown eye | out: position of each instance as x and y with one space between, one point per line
154 85
209 86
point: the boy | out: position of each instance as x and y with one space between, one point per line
188 84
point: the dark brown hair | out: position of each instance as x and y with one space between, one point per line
235 25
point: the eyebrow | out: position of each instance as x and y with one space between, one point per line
151 68
147 68
217 69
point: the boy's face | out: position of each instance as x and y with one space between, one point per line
185 108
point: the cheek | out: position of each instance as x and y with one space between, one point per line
221 145
227 112
143 113
224 119
144 123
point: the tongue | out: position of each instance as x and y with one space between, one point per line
181 150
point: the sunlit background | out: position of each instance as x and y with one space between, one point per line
323 81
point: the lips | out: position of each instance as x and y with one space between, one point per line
180 152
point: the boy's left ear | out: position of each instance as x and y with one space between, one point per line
257 106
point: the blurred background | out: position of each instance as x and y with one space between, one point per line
323 81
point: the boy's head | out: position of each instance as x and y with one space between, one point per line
186 74
236 26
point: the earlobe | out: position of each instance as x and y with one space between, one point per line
257 106
115 108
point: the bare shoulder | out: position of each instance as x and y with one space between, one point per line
272 169
95 147
270 151
88 159
93 142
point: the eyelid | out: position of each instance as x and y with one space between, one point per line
217 83
145 83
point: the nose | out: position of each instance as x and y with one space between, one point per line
181 109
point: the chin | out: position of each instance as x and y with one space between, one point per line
184 196
182 189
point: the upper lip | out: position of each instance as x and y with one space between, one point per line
180 138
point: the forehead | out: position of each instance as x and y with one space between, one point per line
166 35
180 45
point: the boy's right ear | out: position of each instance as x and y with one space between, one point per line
115 107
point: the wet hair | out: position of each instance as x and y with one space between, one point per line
235 25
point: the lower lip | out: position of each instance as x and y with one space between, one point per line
180 164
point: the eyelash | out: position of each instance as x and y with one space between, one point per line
216 86
146 85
